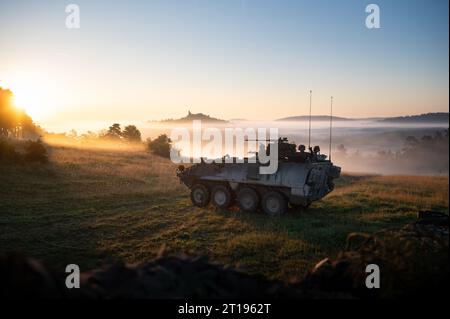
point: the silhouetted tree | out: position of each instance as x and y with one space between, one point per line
35 151
7 151
160 146
8 117
131 134
114 132
15 122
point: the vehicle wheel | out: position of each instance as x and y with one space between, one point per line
248 200
221 196
200 195
274 204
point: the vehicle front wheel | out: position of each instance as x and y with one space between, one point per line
274 203
248 200
200 195
221 196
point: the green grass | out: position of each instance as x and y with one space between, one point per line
91 206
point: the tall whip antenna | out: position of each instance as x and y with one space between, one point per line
309 136
331 125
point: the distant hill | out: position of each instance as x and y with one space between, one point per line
439 117
194 116
314 118
237 120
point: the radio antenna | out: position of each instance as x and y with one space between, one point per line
309 135
331 125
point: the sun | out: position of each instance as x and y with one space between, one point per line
34 99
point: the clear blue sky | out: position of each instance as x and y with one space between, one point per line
232 59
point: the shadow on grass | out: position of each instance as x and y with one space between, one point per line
84 213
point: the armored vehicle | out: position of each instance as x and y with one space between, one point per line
301 178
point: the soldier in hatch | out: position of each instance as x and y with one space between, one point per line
303 156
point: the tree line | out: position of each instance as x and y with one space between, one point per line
14 122
420 154
115 133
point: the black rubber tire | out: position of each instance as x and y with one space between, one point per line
248 199
200 195
221 196
274 203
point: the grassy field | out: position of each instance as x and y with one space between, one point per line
91 206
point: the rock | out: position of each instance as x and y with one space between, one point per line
412 260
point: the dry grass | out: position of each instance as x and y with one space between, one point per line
88 206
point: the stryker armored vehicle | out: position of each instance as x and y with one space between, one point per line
301 178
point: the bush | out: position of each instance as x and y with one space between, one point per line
8 151
160 146
131 134
35 151
16 151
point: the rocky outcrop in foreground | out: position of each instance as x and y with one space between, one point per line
413 261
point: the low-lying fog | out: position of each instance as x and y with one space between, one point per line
357 146
368 146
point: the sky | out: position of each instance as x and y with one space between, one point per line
254 59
